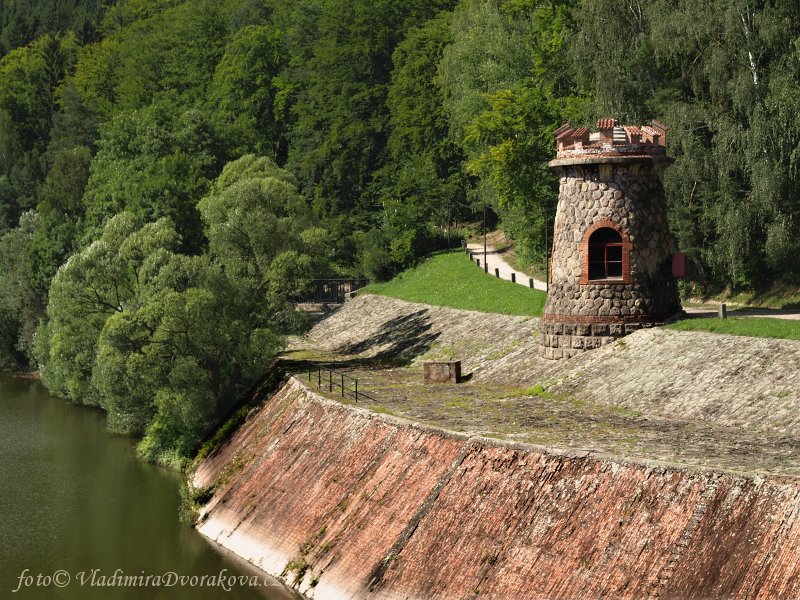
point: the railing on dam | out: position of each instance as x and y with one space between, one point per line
330 379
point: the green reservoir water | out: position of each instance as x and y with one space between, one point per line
75 501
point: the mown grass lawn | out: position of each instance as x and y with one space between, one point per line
750 326
450 279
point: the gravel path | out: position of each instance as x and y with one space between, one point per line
494 260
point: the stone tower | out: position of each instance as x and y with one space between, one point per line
611 266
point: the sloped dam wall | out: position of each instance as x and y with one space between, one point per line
344 503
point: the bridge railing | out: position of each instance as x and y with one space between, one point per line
330 291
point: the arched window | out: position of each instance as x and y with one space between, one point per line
606 250
605 254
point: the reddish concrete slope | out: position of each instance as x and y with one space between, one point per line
349 504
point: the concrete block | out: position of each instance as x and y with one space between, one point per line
442 372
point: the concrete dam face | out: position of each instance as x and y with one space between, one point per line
344 503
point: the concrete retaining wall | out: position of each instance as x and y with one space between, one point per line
349 504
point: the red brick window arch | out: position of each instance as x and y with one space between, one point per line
606 254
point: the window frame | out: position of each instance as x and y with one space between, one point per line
624 244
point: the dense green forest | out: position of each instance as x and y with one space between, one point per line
172 173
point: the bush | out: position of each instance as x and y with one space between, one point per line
386 251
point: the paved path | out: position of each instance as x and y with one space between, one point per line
495 261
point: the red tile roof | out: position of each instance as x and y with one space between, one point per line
563 130
579 133
606 123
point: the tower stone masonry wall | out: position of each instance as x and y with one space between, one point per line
624 193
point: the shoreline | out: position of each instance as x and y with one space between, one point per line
23 374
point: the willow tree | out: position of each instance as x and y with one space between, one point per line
165 341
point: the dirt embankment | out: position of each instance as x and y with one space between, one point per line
350 504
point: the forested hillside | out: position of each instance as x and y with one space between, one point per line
172 172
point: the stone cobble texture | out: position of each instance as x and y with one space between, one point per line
381 329
733 381
342 502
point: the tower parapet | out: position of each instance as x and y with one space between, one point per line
611 264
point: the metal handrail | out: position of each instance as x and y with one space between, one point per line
336 379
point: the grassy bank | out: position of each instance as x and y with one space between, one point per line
450 279
748 326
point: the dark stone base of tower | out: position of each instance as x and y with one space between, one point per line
611 267
563 340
